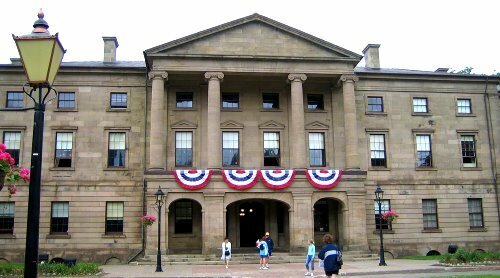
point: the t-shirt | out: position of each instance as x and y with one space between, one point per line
265 251
311 251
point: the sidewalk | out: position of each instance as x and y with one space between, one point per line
405 268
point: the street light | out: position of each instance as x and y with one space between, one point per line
41 55
159 202
379 196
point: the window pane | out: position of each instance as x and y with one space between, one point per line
119 100
183 217
230 149
315 102
116 149
12 141
316 149
271 149
15 100
468 150
230 100
420 105
429 208
424 154
475 213
377 150
183 148
375 104
464 106
270 101
59 219
184 100
385 206
66 100
7 217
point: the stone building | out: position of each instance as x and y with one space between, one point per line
254 94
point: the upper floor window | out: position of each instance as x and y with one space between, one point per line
317 149
184 100
230 101
375 104
116 149
184 148
118 100
64 149
424 151
7 217
468 145
271 149
379 221
12 141
464 106
420 105
230 148
430 214
183 217
377 150
114 217
270 101
59 218
475 212
315 102
15 100
66 100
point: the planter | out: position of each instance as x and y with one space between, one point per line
2 179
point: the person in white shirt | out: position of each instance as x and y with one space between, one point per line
226 251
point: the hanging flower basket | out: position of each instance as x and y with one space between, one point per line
390 216
148 220
9 172
2 179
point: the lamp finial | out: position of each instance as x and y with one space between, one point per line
40 14
40 25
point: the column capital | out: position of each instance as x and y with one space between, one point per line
211 75
156 74
349 78
297 77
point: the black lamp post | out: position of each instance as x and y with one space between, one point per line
379 196
41 55
159 202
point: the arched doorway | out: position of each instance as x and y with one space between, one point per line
248 220
328 219
185 227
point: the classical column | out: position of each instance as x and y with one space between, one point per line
213 222
357 238
213 138
302 221
351 126
297 136
157 142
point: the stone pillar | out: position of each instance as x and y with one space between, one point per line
357 239
297 136
350 122
213 138
157 142
213 222
302 221
164 228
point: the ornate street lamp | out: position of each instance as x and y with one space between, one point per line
160 196
379 196
41 55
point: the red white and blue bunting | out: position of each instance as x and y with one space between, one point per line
323 179
240 179
277 179
193 179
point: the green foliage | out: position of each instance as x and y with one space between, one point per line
11 270
51 269
464 256
466 70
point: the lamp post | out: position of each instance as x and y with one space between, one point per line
379 196
41 55
159 202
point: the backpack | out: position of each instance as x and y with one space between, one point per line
261 247
340 261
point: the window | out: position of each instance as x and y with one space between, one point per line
59 219
385 206
114 217
64 149
375 104
475 213
66 100
230 101
6 218
183 217
420 105
271 149
468 145
429 208
464 106
424 152
321 221
12 141
230 148
317 149
15 100
116 149
184 148
118 100
270 101
184 100
315 102
377 150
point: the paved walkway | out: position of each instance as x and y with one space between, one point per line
395 268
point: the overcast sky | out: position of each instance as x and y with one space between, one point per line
423 34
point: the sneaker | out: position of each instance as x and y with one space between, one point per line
261 268
267 265
265 268
227 266
311 274
307 273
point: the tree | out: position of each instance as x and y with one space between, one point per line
466 70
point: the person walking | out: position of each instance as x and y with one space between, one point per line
270 246
263 253
331 257
226 251
311 253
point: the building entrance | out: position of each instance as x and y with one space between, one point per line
252 224
328 219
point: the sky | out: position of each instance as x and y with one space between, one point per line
419 35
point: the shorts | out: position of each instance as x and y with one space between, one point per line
264 256
330 273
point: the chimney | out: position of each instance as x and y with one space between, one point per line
371 56
442 70
110 45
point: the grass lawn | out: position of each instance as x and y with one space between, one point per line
472 276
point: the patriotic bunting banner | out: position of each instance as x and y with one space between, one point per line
277 179
240 179
193 179
323 179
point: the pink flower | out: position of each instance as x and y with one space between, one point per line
12 189
25 174
5 156
2 148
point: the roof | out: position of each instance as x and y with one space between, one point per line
366 70
93 64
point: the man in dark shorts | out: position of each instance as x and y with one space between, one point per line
329 254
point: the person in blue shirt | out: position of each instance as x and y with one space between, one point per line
264 253
329 254
311 252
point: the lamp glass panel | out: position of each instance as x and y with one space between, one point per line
56 62
35 54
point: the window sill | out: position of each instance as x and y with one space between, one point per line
376 113
231 110
315 111
421 114
465 115
425 169
7 236
118 110
62 169
478 229
471 169
379 169
113 236
432 231
184 168
115 169
65 110
58 236
270 110
183 235
376 232
184 109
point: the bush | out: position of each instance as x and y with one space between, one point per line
62 269
11 269
464 256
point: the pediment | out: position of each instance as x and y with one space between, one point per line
231 124
272 125
254 36
183 124
317 125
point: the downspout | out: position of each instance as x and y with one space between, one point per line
491 142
